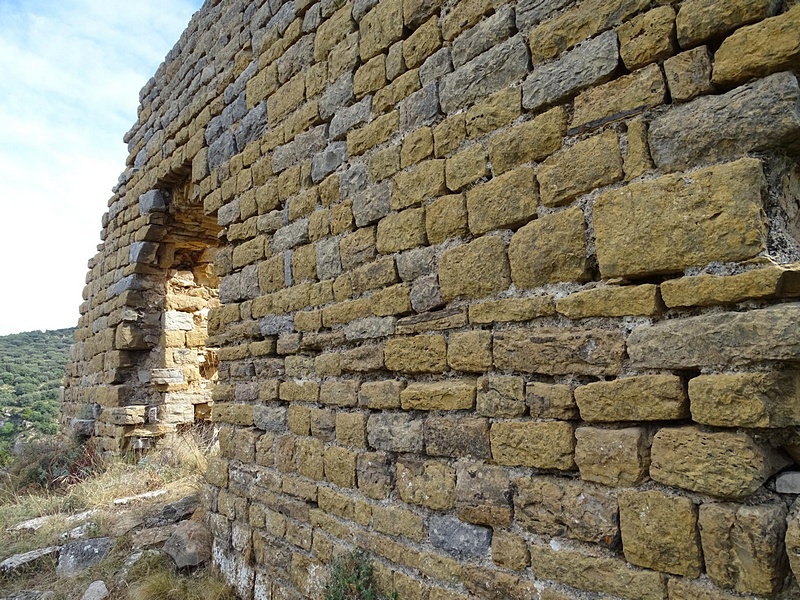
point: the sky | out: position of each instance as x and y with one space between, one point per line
70 75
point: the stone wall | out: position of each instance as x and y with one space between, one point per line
507 293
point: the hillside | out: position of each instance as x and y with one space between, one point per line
31 370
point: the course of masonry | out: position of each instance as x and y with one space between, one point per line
505 294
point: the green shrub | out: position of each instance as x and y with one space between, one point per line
351 579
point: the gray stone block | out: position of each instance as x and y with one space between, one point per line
252 126
347 118
143 252
230 288
425 294
221 150
312 19
591 63
78 556
362 7
483 36
329 263
420 108
485 74
416 263
276 324
303 147
249 282
435 66
298 56
229 213
757 116
353 180
328 161
152 201
176 320
369 328
395 432
270 418
372 204
720 340
459 539
532 12
337 96
290 236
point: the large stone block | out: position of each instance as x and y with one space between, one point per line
611 301
650 37
677 221
701 20
578 23
721 340
766 47
761 115
395 432
551 249
459 539
724 464
743 546
746 399
483 495
474 270
530 141
559 351
642 398
485 74
507 201
596 573
542 445
441 395
419 354
431 484
457 437
380 28
557 507
589 64
625 96
613 457
659 531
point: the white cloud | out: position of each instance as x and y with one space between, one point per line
70 75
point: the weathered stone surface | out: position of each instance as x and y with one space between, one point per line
659 532
708 290
793 540
723 340
531 12
552 506
591 63
474 270
746 399
19 562
551 401
530 141
589 164
431 484
725 464
500 396
491 71
486 34
395 432
757 116
689 74
681 588
650 37
380 28
511 309
507 201
559 352
676 221
551 249
372 204
446 217
419 354
611 301
627 95
743 546
578 23
483 495
542 445
425 180
401 231
75 557
701 20
766 47
613 457
444 395
457 437
466 167
459 539
642 398
189 545
596 573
